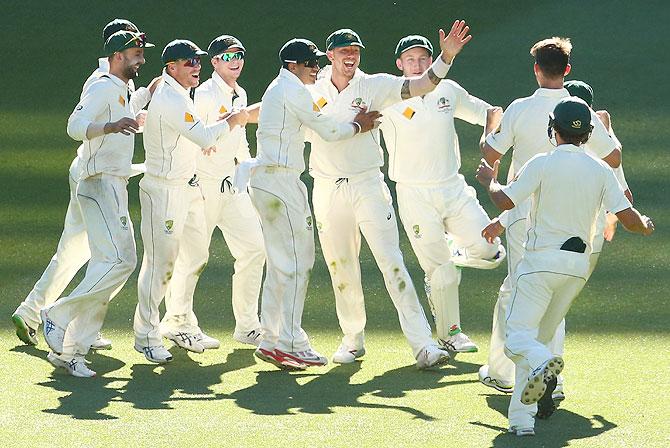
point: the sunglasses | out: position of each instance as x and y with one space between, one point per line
192 62
311 63
227 57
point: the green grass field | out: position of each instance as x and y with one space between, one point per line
617 355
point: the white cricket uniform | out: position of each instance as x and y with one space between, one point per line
281 200
524 127
433 198
72 252
232 213
171 199
350 198
567 189
105 165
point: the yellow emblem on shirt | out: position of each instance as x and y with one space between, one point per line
188 118
122 101
223 110
409 113
315 108
321 103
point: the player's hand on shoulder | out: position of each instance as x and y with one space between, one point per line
367 120
451 44
125 126
493 230
154 83
494 116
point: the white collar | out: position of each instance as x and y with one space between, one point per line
223 85
103 65
568 147
178 87
556 93
287 75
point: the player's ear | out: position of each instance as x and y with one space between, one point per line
567 70
398 63
329 55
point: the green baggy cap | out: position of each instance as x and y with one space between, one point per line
580 89
572 116
343 38
181 49
413 41
123 40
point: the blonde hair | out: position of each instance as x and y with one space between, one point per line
552 55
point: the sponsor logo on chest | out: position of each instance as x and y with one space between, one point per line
443 105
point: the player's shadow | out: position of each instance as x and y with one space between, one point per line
152 386
87 396
555 432
281 393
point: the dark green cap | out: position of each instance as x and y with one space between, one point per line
181 49
580 89
123 40
222 43
413 41
118 25
299 50
343 38
572 116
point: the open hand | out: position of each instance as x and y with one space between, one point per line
486 173
451 44
367 120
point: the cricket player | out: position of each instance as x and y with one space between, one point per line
72 251
104 120
350 197
232 213
567 188
433 198
524 127
170 195
280 198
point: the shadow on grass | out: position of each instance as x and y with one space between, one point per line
556 432
279 393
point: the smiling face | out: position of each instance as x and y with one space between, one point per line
185 72
345 60
305 71
127 63
414 62
230 70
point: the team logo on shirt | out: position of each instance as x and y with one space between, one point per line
443 105
124 223
168 226
80 107
417 231
223 110
319 226
188 118
309 223
358 103
122 101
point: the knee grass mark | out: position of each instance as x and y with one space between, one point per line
199 272
341 287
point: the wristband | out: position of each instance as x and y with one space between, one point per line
440 68
359 128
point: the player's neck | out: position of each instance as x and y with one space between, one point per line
339 80
118 73
554 83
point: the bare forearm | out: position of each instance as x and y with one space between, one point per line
499 199
427 82
634 222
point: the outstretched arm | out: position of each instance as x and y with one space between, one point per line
451 44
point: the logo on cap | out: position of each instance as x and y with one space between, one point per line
577 124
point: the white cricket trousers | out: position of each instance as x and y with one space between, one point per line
546 284
170 209
344 209
427 212
500 366
72 253
280 198
238 221
103 200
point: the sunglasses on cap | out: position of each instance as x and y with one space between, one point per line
227 57
190 62
140 39
311 63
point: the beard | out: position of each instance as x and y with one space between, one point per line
130 72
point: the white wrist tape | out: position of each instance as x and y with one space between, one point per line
440 68
358 126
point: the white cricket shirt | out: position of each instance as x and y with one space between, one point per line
347 158
524 127
567 188
106 99
212 99
174 133
138 97
286 109
420 135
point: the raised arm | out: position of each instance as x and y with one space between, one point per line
451 44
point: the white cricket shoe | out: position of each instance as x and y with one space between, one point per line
208 342
521 432
252 337
277 359
559 394
431 355
539 379
346 355
309 357
101 343
495 383
75 367
53 334
458 342
155 353
185 340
